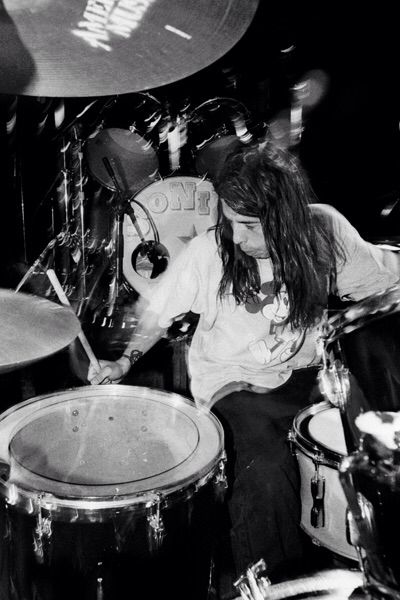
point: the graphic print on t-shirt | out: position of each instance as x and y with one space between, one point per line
282 341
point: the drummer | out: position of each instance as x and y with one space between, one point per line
260 282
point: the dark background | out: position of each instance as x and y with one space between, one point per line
350 143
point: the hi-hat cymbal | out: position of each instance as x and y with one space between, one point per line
105 47
32 328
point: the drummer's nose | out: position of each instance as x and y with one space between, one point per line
238 233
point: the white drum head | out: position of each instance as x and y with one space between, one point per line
326 428
106 441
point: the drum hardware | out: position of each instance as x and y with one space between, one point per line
155 521
318 440
333 377
149 507
153 251
317 516
254 584
330 583
221 480
42 532
369 477
173 131
299 92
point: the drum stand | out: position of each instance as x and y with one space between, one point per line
155 252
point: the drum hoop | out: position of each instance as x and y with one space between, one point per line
306 445
35 483
94 508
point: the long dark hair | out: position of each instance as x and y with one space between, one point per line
266 182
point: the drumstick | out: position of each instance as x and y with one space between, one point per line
64 300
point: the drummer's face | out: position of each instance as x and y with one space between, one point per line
247 232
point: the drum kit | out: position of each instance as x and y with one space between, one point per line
109 489
99 490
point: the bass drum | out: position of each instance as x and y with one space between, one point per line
108 491
174 210
319 443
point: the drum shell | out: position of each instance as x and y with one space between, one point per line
310 454
373 487
155 537
122 544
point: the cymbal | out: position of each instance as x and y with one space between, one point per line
71 48
32 328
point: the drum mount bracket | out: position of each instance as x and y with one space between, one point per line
155 521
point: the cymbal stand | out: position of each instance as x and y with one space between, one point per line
62 238
81 225
123 207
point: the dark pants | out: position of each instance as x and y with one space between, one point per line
263 500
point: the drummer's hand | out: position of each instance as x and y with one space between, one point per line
112 371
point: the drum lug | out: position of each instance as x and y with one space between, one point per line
254 584
221 481
12 495
317 516
155 521
42 532
291 439
333 378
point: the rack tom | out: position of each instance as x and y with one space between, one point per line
108 490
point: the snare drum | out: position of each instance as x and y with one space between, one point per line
176 209
318 438
111 493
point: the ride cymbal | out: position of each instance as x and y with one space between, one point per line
32 328
70 48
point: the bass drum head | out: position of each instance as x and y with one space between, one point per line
105 442
176 209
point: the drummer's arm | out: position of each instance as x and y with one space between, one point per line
146 334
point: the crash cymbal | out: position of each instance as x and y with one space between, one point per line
105 47
32 328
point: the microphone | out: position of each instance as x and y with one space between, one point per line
157 255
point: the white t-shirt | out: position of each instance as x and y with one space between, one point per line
249 344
